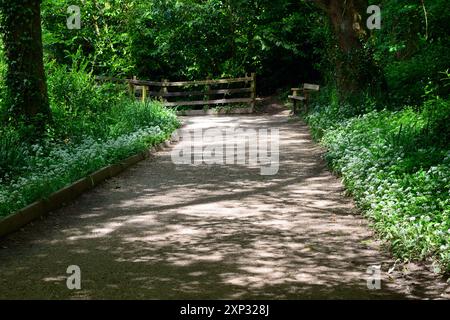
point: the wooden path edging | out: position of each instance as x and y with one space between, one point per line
66 195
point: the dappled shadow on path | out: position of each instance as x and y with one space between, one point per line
166 231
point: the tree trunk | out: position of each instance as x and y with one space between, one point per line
25 79
355 69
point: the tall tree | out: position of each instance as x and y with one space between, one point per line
25 79
355 67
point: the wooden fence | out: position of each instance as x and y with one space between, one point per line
194 93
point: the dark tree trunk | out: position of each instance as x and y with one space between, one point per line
355 69
25 79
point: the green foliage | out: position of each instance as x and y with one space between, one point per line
397 166
52 164
73 94
412 47
92 127
3 89
397 163
231 38
191 39
138 115
105 34
11 151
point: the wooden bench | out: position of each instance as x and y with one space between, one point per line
306 89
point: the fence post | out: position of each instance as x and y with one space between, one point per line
164 89
253 87
207 96
131 88
144 93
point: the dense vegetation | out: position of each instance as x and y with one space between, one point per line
191 39
92 126
393 148
397 166
383 112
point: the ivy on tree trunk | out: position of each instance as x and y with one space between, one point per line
355 68
25 79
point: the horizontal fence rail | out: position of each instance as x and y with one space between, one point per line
231 91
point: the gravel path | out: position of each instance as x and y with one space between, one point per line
166 231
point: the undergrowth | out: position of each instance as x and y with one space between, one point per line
396 164
93 126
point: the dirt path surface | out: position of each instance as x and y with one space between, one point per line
166 231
